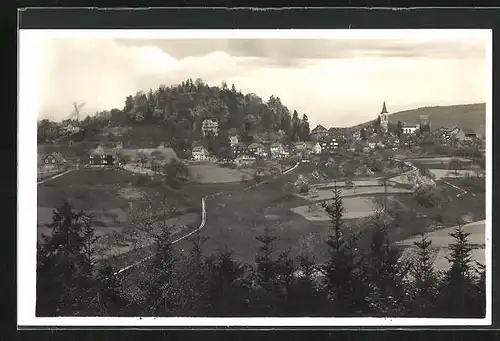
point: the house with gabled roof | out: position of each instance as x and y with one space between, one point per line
240 149
54 159
314 147
257 149
457 133
469 134
200 153
319 132
102 157
328 144
278 150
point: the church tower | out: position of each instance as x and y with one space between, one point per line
384 118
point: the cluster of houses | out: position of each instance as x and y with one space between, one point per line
245 153
323 140
448 134
119 156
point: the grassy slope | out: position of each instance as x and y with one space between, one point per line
471 116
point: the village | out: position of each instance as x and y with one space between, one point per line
323 142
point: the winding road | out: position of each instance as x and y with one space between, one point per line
203 220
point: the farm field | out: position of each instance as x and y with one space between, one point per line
354 208
441 240
437 160
442 237
213 173
358 183
325 194
108 196
447 173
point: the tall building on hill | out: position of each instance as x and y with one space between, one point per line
209 126
424 120
384 118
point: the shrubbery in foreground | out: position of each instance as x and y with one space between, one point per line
352 282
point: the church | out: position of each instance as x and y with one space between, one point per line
384 118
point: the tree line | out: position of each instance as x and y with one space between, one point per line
373 281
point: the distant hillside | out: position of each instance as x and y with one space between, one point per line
174 115
472 116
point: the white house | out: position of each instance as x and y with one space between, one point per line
200 153
314 147
410 129
278 151
233 139
209 126
257 149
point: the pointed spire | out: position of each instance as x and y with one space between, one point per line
384 109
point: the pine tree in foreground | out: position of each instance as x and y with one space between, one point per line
386 275
228 288
194 276
65 266
425 281
160 284
265 296
459 286
343 272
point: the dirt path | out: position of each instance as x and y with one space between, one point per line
54 176
203 219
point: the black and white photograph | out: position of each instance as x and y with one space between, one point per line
211 177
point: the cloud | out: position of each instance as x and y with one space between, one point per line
287 52
340 90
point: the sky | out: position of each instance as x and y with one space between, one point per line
336 82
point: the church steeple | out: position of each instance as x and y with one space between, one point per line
384 109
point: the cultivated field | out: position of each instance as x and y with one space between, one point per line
325 194
437 160
447 173
356 207
441 240
212 173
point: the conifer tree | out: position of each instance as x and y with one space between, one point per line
161 290
111 300
424 281
305 129
65 266
385 274
228 288
195 277
458 286
344 279
265 298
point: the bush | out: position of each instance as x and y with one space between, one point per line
142 180
304 188
428 198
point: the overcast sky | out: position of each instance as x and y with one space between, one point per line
336 82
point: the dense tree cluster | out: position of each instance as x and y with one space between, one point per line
353 281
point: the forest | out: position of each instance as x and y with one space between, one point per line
73 281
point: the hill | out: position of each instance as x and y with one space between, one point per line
174 115
471 116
